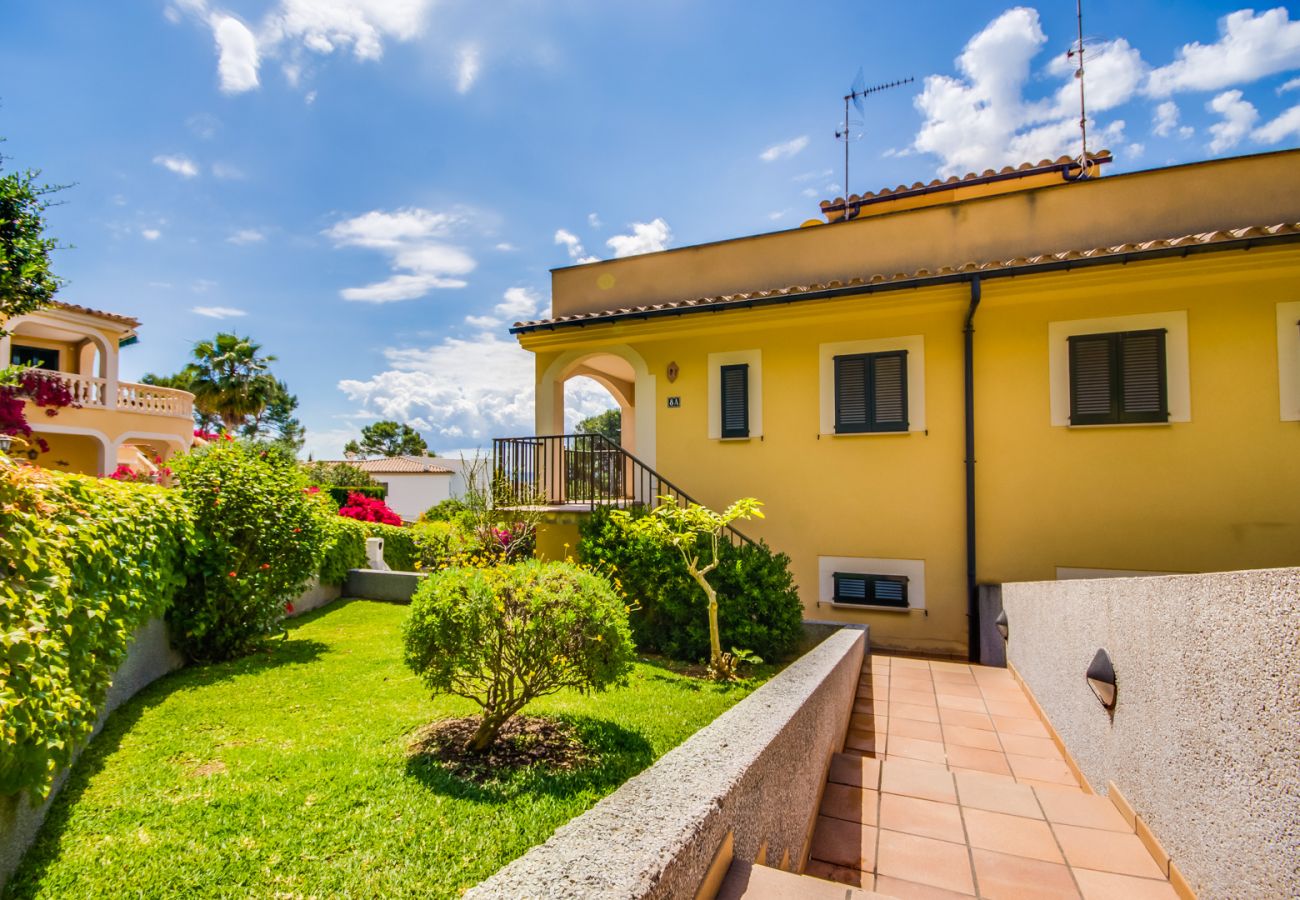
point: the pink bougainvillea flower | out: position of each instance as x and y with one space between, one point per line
288 607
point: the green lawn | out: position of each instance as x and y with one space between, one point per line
285 775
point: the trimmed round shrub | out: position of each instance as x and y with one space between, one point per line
258 539
759 609
506 635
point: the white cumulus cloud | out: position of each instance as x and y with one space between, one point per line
573 244
1250 46
646 237
1279 129
237 54
1238 118
1291 85
178 163
413 240
1166 119
468 63
785 149
218 312
150 234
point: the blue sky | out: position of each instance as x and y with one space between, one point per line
375 189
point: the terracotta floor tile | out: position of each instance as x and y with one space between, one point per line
997 794
957 689
1014 835
1027 727
915 748
967 719
981 760
1001 688
949 666
917 779
1043 748
969 704
856 771
913 728
842 801
1004 877
862 721
1014 709
1088 810
844 843
912 711
1109 886
971 737
925 861
910 890
871 706
926 818
1053 771
907 662
840 874
917 698
1007 778
1106 851
945 676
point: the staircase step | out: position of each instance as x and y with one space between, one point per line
751 881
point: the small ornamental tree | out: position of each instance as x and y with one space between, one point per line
506 635
695 532
258 538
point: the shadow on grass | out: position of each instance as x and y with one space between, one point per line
617 753
694 676
96 755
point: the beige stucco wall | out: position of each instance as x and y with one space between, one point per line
1203 738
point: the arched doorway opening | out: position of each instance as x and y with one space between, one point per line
622 373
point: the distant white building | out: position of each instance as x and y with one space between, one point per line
414 482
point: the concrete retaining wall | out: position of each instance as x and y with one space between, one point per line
751 780
315 596
379 584
1203 739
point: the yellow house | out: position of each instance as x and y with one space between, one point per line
1019 375
116 421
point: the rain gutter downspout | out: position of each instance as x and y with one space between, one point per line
972 589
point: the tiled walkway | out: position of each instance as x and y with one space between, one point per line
950 786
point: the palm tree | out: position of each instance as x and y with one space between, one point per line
230 380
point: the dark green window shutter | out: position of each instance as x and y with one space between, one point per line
1118 377
35 357
870 590
889 391
735 401
871 392
851 415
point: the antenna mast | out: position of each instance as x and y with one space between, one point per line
856 93
1084 162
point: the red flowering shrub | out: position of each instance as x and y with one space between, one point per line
369 509
43 389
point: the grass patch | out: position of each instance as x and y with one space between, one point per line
287 774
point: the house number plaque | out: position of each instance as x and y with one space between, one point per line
674 402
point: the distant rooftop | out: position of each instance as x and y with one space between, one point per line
398 465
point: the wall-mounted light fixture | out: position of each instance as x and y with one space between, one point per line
1001 623
1101 678
5 443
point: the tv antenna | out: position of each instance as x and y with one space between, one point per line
850 129
1085 164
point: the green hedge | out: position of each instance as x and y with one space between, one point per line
344 547
758 603
85 562
340 494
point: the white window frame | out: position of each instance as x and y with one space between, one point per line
753 359
1288 360
914 344
1177 371
912 569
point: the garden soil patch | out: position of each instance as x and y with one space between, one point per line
524 741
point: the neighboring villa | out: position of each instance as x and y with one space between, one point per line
1016 376
117 421
414 483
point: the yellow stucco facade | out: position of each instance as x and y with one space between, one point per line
115 421
1216 486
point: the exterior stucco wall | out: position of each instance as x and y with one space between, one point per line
1202 741
755 773
411 495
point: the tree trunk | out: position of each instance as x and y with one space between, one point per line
715 642
488 729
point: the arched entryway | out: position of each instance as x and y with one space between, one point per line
618 369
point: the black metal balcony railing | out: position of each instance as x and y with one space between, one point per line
579 469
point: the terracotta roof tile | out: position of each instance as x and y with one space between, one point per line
97 313
725 300
397 465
